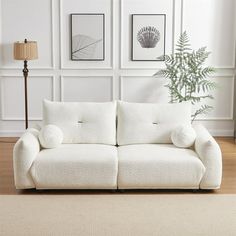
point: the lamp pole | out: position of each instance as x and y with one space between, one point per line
25 73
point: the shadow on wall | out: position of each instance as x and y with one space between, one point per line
147 90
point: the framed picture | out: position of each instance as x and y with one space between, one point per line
148 37
87 37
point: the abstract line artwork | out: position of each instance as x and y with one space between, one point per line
87 37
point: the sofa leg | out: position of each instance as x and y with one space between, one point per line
195 190
113 190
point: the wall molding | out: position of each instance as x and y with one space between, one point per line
122 66
52 4
232 66
63 77
121 83
62 66
117 68
7 118
11 133
223 118
221 133
231 115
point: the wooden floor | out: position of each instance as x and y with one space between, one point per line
228 186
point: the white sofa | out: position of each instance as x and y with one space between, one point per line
117 145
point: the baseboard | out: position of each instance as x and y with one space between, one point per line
222 133
10 133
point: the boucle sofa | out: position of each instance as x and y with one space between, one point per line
117 145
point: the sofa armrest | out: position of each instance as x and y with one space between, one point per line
210 154
24 153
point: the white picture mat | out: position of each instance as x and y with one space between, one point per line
92 26
140 21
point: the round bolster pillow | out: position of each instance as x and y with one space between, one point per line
183 136
50 136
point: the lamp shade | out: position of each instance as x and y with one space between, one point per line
26 50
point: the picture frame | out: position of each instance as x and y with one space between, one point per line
87 36
148 35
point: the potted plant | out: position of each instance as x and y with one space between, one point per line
188 78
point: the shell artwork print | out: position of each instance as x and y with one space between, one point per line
84 46
148 37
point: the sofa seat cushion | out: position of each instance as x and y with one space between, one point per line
76 166
158 166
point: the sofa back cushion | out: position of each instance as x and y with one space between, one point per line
150 122
82 122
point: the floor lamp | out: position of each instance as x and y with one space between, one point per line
25 51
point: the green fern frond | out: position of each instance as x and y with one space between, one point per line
183 43
205 72
204 109
206 85
187 76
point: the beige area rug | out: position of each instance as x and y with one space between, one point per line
118 215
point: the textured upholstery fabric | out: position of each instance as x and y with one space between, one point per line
158 166
85 161
149 122
210 154
50 136
183 136
76 166
83 122
37 126
24 153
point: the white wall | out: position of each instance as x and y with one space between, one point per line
54 76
